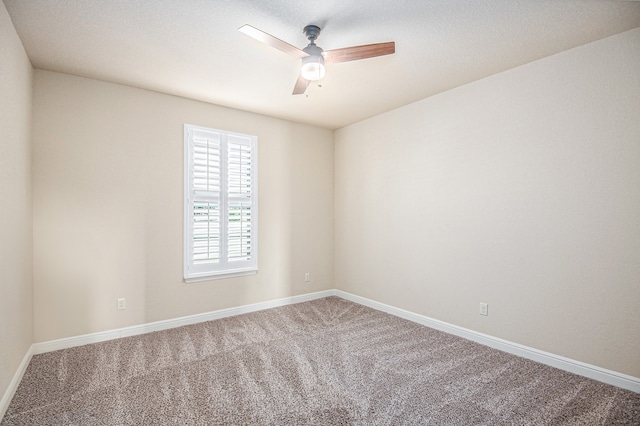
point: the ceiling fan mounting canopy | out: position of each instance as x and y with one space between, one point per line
313 57
311 32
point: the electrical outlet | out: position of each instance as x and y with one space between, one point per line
307 277
121 304
484 308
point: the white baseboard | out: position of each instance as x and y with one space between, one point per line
15 381
54 345
591 371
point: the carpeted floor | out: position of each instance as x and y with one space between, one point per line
325 362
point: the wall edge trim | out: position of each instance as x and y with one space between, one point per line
15 382
600 374
70 342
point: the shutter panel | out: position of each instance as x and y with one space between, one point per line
239 182
206 198
239 168
239 234
206 165
206 232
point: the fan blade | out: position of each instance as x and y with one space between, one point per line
359 52
301 86
270 40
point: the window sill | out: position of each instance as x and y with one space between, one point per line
220 276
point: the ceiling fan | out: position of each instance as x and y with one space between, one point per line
314 57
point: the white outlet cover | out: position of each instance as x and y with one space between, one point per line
484 308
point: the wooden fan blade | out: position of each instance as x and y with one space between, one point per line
359 52
270 40
301 86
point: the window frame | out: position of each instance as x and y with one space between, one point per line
225 268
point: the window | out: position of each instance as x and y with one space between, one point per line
220 204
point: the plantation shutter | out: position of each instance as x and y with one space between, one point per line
220 204
206 198
239 190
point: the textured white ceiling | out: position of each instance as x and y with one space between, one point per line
192 48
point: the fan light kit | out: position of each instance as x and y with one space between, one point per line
313 57
312 68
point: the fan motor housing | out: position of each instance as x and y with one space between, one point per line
313 50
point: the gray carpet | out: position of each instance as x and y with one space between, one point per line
325 362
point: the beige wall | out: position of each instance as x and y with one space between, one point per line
521 190
16 303
108 193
